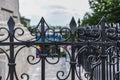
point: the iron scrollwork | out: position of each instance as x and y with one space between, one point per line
98 44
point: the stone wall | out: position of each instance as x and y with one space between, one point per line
2 66
9 8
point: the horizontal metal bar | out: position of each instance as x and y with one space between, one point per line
60 43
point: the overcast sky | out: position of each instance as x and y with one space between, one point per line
55 12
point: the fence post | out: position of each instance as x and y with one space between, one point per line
42 34
103 38
72 61
11 64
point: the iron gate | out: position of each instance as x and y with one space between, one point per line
97 49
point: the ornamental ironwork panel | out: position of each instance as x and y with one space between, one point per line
96 49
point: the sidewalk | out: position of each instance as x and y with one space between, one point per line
50 70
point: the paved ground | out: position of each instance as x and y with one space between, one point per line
51 70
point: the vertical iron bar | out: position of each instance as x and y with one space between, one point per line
113 70
118 65
11 57
73 64
107 71
99 72
0 77
103 48
110 67
43 49
96 73
11 63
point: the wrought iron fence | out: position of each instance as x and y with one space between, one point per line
95 48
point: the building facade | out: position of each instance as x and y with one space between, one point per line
9 8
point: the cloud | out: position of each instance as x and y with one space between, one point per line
55 7
58 12
54 11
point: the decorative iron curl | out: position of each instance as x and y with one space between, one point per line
62 32
92 34
29 57
49 32
37 30
58 57
2 28
81 32
114 56
19 51
116 76
67 31
34 32
32 59
18 34
3 51
88 75
96 34
78 75
94 60
112 34
22 32
67 52
80 51
63 74
91 58
25 75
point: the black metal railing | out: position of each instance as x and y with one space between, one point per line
0 77
95 48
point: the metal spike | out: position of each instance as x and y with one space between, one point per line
11 24
73 25
42 20
79 22
103 19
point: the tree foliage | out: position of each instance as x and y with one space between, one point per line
108 8
22 20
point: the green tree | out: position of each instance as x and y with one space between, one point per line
109 8
22 20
